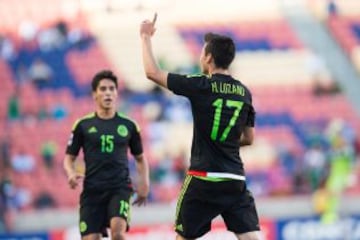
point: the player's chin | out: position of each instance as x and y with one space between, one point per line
108 105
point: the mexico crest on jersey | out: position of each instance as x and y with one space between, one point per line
122 130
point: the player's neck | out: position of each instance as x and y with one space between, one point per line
105 113
219 71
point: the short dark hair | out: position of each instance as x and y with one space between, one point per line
222 49
104 74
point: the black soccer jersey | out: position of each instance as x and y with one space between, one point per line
221 108
105 143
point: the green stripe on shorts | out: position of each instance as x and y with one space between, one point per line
182 192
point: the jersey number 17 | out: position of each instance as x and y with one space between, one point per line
219 104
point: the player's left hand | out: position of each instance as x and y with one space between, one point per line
142 192
140 200
74 180
147 27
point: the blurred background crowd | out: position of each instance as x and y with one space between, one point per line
308 112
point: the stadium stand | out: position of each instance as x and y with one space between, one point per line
342 20
270 59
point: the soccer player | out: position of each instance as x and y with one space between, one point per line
105 137
223 121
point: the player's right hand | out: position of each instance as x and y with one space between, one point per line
147 27
74 179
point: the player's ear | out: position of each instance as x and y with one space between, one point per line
93 93
208 58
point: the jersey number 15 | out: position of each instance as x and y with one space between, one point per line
107 143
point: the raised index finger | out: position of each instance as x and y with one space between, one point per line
154 19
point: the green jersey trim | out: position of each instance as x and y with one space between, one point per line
197 75
88 116
126 117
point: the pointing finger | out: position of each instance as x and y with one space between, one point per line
154 19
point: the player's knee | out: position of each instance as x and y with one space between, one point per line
118 236
249 236
178 237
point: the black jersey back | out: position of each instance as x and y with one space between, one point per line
221 108
105 143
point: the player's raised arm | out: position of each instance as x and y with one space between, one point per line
152 70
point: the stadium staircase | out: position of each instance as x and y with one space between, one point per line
318 38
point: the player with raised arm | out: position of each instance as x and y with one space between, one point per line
105 137
223 121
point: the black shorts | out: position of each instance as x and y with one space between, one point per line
201 201
98 207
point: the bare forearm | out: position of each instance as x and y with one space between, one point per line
68 164
245 142
150 65
247 137
152 70
142 168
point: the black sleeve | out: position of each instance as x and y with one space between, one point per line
135 142
250 122
75 141
185 85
